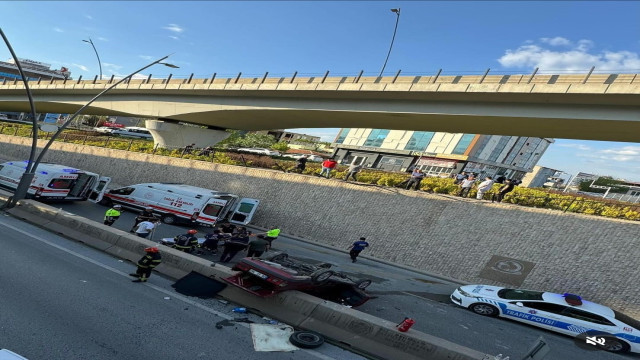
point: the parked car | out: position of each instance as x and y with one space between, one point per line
280 273
566 314
133 131
314 158
261 151
104 130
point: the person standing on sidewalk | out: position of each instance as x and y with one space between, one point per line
352 171
150 260
504 189
112 215
465 186
357 247
483 187
327 166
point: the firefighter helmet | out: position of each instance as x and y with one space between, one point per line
152 249
192 231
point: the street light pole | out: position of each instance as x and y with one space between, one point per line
98 56
29 172
397 11
27 177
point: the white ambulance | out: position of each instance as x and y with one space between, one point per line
179 203
55 182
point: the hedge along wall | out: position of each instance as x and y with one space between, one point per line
593 256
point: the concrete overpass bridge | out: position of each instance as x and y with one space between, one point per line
575 106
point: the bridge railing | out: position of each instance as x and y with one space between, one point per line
588 77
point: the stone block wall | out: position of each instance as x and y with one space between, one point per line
592 256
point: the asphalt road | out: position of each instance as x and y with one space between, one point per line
63 300
403 293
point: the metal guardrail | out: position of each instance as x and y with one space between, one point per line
497 77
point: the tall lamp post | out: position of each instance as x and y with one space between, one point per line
98 56
397 12
27 177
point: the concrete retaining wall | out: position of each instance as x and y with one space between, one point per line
351 328
592 256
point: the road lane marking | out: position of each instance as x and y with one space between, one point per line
155 287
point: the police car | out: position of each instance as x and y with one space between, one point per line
564 313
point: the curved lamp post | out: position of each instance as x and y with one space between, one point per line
397 11
98 56
27 177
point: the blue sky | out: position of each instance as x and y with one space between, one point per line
343 37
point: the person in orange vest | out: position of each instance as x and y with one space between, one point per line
149 261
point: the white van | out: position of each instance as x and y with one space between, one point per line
55 182
132 131
179 203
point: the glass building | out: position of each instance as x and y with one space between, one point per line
439 153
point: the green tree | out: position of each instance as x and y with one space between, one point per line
281 146
94 120
232 140
248 140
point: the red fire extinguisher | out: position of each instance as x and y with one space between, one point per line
405 324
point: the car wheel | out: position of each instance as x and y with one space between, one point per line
363 284
279 257
615 345
105 201
484 309
169 219
306 339
321 276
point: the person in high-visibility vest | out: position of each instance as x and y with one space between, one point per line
112 215
150 260
186 242
272 234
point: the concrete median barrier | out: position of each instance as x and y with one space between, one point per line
347 327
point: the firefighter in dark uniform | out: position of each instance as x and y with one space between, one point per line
112 215
150 260
145 215
186 242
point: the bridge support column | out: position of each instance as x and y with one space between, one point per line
171 135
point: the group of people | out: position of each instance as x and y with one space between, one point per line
232 238
466 181
328 166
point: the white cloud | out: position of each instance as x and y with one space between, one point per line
174 37
57 29
576 146
556 41
111 66
145 57
621 154
81 67
102 38
89 17
117 76
175 28
577 58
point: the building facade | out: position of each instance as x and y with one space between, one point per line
439 153
545 177
34 71
289 137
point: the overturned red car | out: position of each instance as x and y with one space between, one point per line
266 277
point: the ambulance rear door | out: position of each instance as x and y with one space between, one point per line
243 211
99 189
